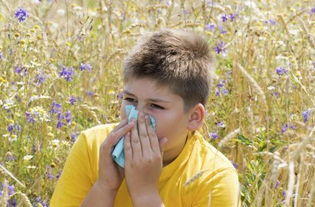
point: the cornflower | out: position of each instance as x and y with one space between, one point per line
213 135
55 107
72 100
313 10
224 18
219 47
306 114
40 78
21 14
281 71
20 70
67 73
86 66
210 27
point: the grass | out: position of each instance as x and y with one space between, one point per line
261 107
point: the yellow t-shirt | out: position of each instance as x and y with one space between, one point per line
199 176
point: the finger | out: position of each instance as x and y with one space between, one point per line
162 144
128 148
143 135
114 136
122 123
154 142
135 143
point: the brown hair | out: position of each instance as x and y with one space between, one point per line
175 58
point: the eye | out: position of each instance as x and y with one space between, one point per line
156 106
129 99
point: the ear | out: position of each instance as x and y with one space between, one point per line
196 117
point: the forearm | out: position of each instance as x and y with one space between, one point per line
152 199
99 197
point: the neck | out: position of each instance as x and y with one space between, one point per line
170 155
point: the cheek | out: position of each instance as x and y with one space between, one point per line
166 124
122 112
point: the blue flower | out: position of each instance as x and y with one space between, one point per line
74 136
20 70
220 124
67 73
21 14
1 55
224 18
281 71
40 78
210 27
232 17
55 108
60 124
313 10
219 47
90 93
10 127
306 115
68 117
220 84
72 100
29 117
222 30
213 135
85 67
271 21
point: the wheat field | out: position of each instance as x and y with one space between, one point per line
60 65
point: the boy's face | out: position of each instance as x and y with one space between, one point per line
166 107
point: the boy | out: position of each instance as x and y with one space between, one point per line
166 76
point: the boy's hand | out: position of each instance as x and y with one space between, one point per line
110 174
143 160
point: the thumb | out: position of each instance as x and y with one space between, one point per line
162 143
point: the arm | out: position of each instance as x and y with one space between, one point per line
99 197
144 161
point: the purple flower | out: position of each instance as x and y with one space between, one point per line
68 117
21 14
85 67
74 136
11 189
40 78
271 21
220 84
1 55
224 18
90 93
217 92
286 126
313 10
225 91
29 117
219 47
10 127
281 71
210 27
277 184
55 108
67 73
214 135
21 70
232 17
306 114
220 124
235 165
60 124
222 30
72 100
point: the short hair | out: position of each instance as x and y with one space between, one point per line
175 58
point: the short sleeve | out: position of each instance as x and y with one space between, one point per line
219 189
75 180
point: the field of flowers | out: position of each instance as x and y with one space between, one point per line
60 63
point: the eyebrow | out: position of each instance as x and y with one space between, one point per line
150 99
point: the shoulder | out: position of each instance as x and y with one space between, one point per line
209 157
94 136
